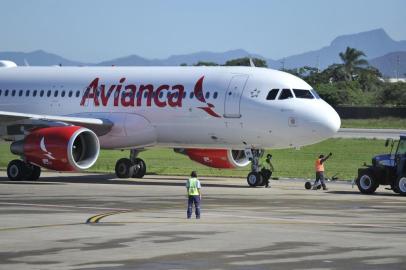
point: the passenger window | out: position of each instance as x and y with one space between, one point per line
70 93
56 93
215 95
63 94
161 94
6 93
0 92
20 93
207 95
35 93
191 95
49 93
27 93
300 93
41 94
13 93
77 93
286 93
272 94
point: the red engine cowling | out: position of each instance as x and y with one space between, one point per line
68 148
217 158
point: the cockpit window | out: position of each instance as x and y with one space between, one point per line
286 93
272 94
300 93
315 94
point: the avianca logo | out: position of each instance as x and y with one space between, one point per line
46 152
129 95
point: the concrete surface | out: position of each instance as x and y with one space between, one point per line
142 225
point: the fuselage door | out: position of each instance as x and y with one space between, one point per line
233 96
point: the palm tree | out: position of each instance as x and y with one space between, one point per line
352 60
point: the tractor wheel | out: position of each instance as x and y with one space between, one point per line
367 184
400 186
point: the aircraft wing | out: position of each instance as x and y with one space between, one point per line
99 126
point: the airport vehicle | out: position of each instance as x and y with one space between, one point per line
386 169
59 117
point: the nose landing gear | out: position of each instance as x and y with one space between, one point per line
131 167
256 177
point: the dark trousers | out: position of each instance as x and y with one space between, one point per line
196 201
319 179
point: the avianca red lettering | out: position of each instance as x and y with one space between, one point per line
128 96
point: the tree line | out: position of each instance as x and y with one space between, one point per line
352 82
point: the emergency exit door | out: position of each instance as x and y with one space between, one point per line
233 96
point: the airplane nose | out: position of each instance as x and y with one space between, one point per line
330 121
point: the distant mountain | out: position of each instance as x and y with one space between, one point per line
390 64
189 59
373 43
37 58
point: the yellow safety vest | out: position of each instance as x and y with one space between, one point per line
192 187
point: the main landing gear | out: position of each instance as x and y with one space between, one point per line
256 177
131 167
18 170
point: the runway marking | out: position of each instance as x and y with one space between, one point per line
38 226
65 206
97 218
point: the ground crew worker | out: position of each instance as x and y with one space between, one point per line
320 171
194 194
267 169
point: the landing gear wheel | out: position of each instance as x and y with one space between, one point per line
308 185
367 184
400 185
255 179
34 172
140 168
16 170
124 168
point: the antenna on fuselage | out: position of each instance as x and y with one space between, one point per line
26 63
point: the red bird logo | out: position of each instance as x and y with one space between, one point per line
200 97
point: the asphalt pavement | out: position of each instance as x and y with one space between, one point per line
91 221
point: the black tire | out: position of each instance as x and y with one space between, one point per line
367 184
400 186
124 168
254 179
140 168
16 170
34 172
308 185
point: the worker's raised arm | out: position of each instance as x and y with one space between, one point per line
327 157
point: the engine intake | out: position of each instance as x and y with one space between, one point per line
69 148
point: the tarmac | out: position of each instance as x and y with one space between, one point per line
91 221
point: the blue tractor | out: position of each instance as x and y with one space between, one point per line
388 169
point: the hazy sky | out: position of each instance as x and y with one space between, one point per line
95 30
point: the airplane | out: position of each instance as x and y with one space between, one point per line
59 118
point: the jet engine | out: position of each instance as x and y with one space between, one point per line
68 148
217 158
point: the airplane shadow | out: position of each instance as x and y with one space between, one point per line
110 179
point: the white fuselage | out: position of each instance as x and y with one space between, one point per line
231 110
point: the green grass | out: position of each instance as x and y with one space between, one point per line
387 122
348 155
